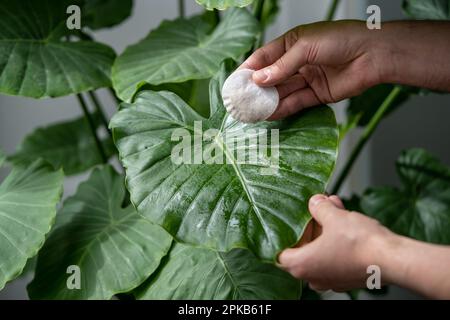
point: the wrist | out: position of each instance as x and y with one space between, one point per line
385 247
388 52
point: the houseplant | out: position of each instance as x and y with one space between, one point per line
161 230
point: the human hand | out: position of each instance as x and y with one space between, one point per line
336 255
318 63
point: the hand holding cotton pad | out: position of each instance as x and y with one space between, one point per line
247 102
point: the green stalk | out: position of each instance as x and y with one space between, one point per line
92 127
332 10
368 131
258 7
113 95
99 109
181 9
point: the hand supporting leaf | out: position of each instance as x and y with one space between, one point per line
28 199
228 205
114 248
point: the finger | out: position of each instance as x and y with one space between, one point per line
298 261
337 201
295 102
265 56
307 236
321 289
293 84
322 208
283 68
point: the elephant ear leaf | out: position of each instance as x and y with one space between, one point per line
28 199
421 209
69 145
223 4
427 9
113 248
225 203
182 50
36 61
192 273
99 14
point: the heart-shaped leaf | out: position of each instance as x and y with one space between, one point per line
427 9
191 273
182 50
223 4
28 199
421 209
228 203
35 61
69 145
114 248
100 14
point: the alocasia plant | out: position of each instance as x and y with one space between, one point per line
37 61
229 205
209 230
421 208
28 199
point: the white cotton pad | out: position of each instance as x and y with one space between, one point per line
245 100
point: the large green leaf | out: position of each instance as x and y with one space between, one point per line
69 145
36 62
115 248
421 209
229 205
427 9
182 50
28 199
223 4
191 273
100 14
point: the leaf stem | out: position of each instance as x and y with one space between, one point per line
332 10
368 131
258 9
99 109
92 127
181 9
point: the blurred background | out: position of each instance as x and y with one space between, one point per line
423 122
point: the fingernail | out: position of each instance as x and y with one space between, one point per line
262 75
315 200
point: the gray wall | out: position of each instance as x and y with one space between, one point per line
427 117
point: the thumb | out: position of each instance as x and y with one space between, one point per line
285 67
322 208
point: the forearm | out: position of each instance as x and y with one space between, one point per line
418 266
414 53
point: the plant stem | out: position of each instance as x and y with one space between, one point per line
181 9
217 16
113 95
92 127
368 131
99 109
258 9
332 10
